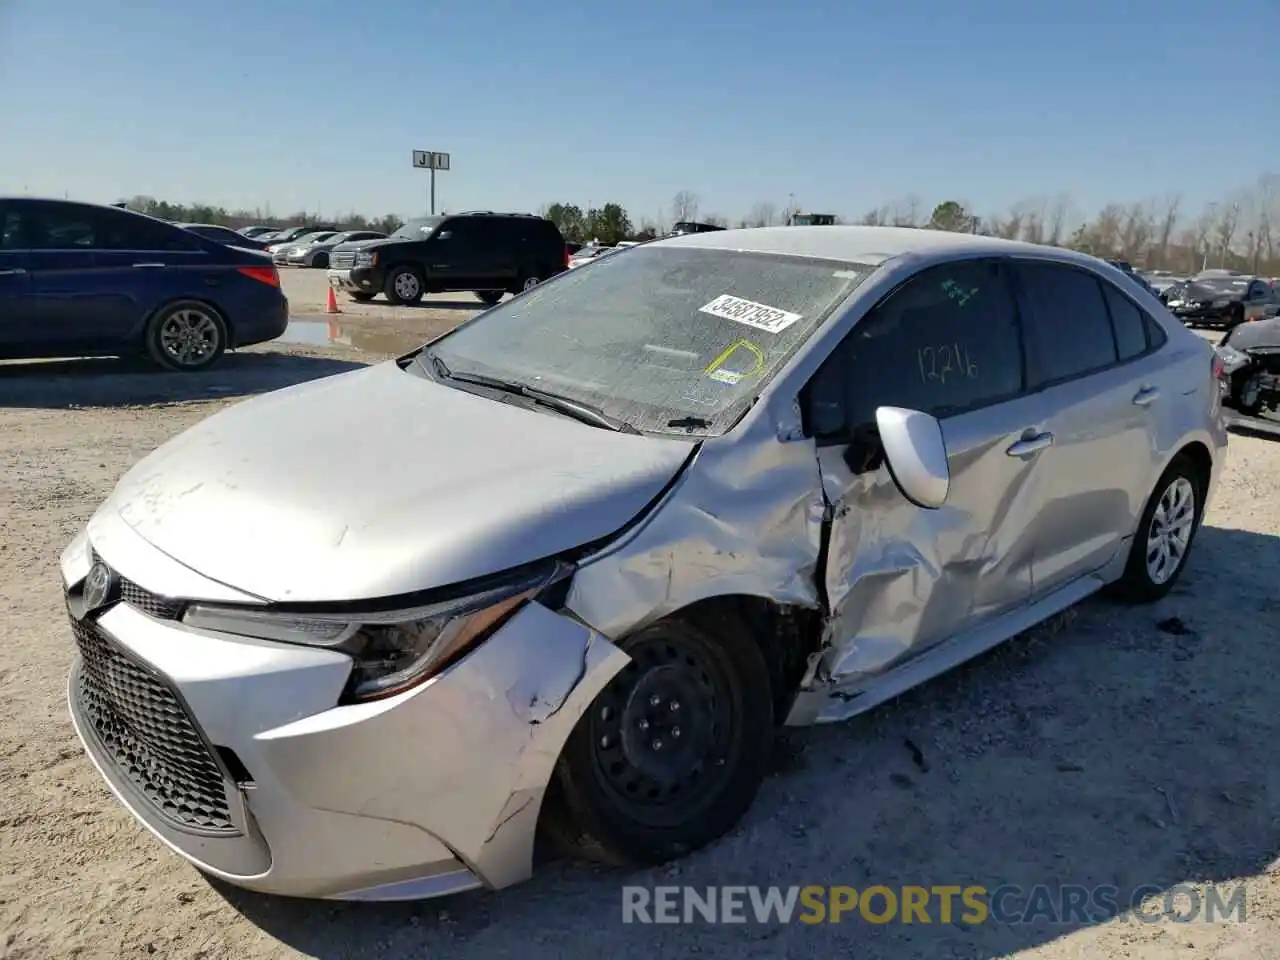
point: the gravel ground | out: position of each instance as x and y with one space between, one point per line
1113 746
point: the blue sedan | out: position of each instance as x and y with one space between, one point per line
77 279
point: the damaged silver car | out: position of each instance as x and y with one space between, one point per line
568 566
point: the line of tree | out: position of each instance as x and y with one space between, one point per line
1239 232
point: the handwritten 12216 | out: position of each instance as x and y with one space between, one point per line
937 362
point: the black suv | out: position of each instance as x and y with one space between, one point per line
481 251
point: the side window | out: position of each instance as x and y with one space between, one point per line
65 228
945 342
129 232
1156 337
462 236
1127 321
1069 330
11 237
1259 291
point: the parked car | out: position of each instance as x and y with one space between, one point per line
571 563
683 227
1251 357
1221 300
315 252
587 254
257 231
484 252
78 279
292 235
280 252
1137 277
232 238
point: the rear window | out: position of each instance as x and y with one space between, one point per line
418 229
669 340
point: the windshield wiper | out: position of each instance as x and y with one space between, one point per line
584 412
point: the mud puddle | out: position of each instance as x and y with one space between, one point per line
330 333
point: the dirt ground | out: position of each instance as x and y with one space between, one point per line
1116 746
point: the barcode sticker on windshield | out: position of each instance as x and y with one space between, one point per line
752 314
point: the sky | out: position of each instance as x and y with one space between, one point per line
837 107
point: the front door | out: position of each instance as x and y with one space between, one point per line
900 578
455 257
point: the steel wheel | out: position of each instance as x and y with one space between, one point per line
1169 534
661 732
189 337
671 753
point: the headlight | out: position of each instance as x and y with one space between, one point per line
366 259
392 651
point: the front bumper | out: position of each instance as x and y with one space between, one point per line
355 280
428 793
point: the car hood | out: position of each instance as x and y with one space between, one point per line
377 483
363 244
1258 335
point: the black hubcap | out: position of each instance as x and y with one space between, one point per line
661 730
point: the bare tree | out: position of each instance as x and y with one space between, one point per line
1259 212
905 212
684 206
762 215
715 220
1167 222
1056 220
875 218
1200 236
1136 232
1224 229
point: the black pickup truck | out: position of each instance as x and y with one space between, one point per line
481 251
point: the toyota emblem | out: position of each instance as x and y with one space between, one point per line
98 586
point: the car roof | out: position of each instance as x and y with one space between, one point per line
858 244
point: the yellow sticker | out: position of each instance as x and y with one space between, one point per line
716 368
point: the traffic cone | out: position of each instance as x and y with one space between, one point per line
332 305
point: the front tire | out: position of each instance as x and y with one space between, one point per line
488 297
405 286
187 336
1165 534
670 755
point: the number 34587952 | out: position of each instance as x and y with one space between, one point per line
946 360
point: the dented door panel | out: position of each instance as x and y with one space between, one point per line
900 578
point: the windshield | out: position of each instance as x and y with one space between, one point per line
661 335
418 229
588 252
315 237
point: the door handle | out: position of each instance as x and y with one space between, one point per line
1146 396
1028 446
12 273
148 266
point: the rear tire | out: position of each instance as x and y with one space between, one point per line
187 336
670 755
526 282
405 286
1165 534
489 297
320 261
1246 392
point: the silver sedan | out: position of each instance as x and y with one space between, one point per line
570 564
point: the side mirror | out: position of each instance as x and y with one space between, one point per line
444 235
916 455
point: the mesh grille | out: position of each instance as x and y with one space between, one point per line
148 735
152 604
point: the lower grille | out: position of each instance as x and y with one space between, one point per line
148 735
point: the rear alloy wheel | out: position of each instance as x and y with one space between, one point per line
1246 392
1163 540
187 336
404 286
671 754
489 297
526 283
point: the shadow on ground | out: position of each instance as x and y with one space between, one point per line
110 382
1123 746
